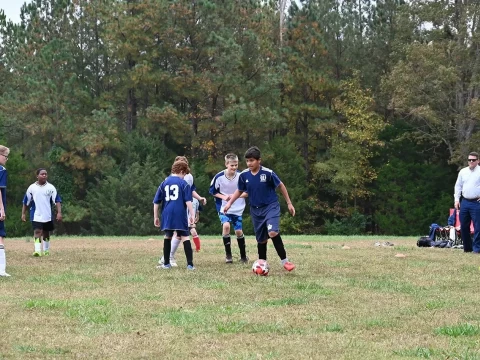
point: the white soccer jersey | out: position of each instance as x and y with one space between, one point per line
225 186
43 196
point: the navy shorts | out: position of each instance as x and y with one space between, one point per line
47 226
2 229
235 220
265 219
180 233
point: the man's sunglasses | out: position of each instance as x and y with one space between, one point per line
472 160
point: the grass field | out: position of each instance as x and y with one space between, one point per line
103 298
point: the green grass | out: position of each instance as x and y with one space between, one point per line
103 298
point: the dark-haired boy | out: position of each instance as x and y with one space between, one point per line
260 183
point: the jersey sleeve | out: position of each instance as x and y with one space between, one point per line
276 180
3 177
214 186
242 185
58 198
159 195
53 197
28 196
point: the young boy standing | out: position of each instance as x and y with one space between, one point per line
43 194
175 239
4 151
175 195
260 183
222 187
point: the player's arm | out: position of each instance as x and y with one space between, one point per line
244 195
284 192
156 219
234 197
2 207
58 204
191 218
199 198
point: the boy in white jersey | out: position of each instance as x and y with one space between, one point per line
4 152
222 187
44 195
196 239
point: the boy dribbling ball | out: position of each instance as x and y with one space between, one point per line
260 183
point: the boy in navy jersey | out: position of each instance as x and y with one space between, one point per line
260 184
4 152
175 195
222 187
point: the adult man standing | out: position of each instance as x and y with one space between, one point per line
467 188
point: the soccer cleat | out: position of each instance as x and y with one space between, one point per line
163 266
191 267
46 253
161 261
244 260
289 266
4 274
228 260
173 262
37 254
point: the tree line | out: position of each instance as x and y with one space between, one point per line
365 109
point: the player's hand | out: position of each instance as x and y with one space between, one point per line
228 197
59 217
23 218
291 209
457 205
191 219
2 216
156 222
226 207
203 200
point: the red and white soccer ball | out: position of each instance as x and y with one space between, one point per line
260 267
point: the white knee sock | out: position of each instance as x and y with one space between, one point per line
3 260
175 243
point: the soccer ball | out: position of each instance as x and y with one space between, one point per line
260 267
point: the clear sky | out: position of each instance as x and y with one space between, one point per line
12 8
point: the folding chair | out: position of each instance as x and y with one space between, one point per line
457 233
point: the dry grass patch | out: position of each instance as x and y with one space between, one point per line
103 298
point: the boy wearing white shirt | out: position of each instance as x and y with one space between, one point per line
223 185
44 195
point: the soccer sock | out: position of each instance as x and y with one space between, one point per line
196 241
227 244
241 246
187 246
46 244
262 251
167 247
38 245
3 260
175 242
278 243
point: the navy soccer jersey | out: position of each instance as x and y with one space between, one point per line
260 187
173 194
3 185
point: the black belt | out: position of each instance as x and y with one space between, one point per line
476 199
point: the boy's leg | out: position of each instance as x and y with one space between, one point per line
273 224
167 247
3 259
238 224
187 247
37 234
261 232
46 242
175 243
196 239
226 238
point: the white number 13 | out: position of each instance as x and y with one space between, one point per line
171 192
